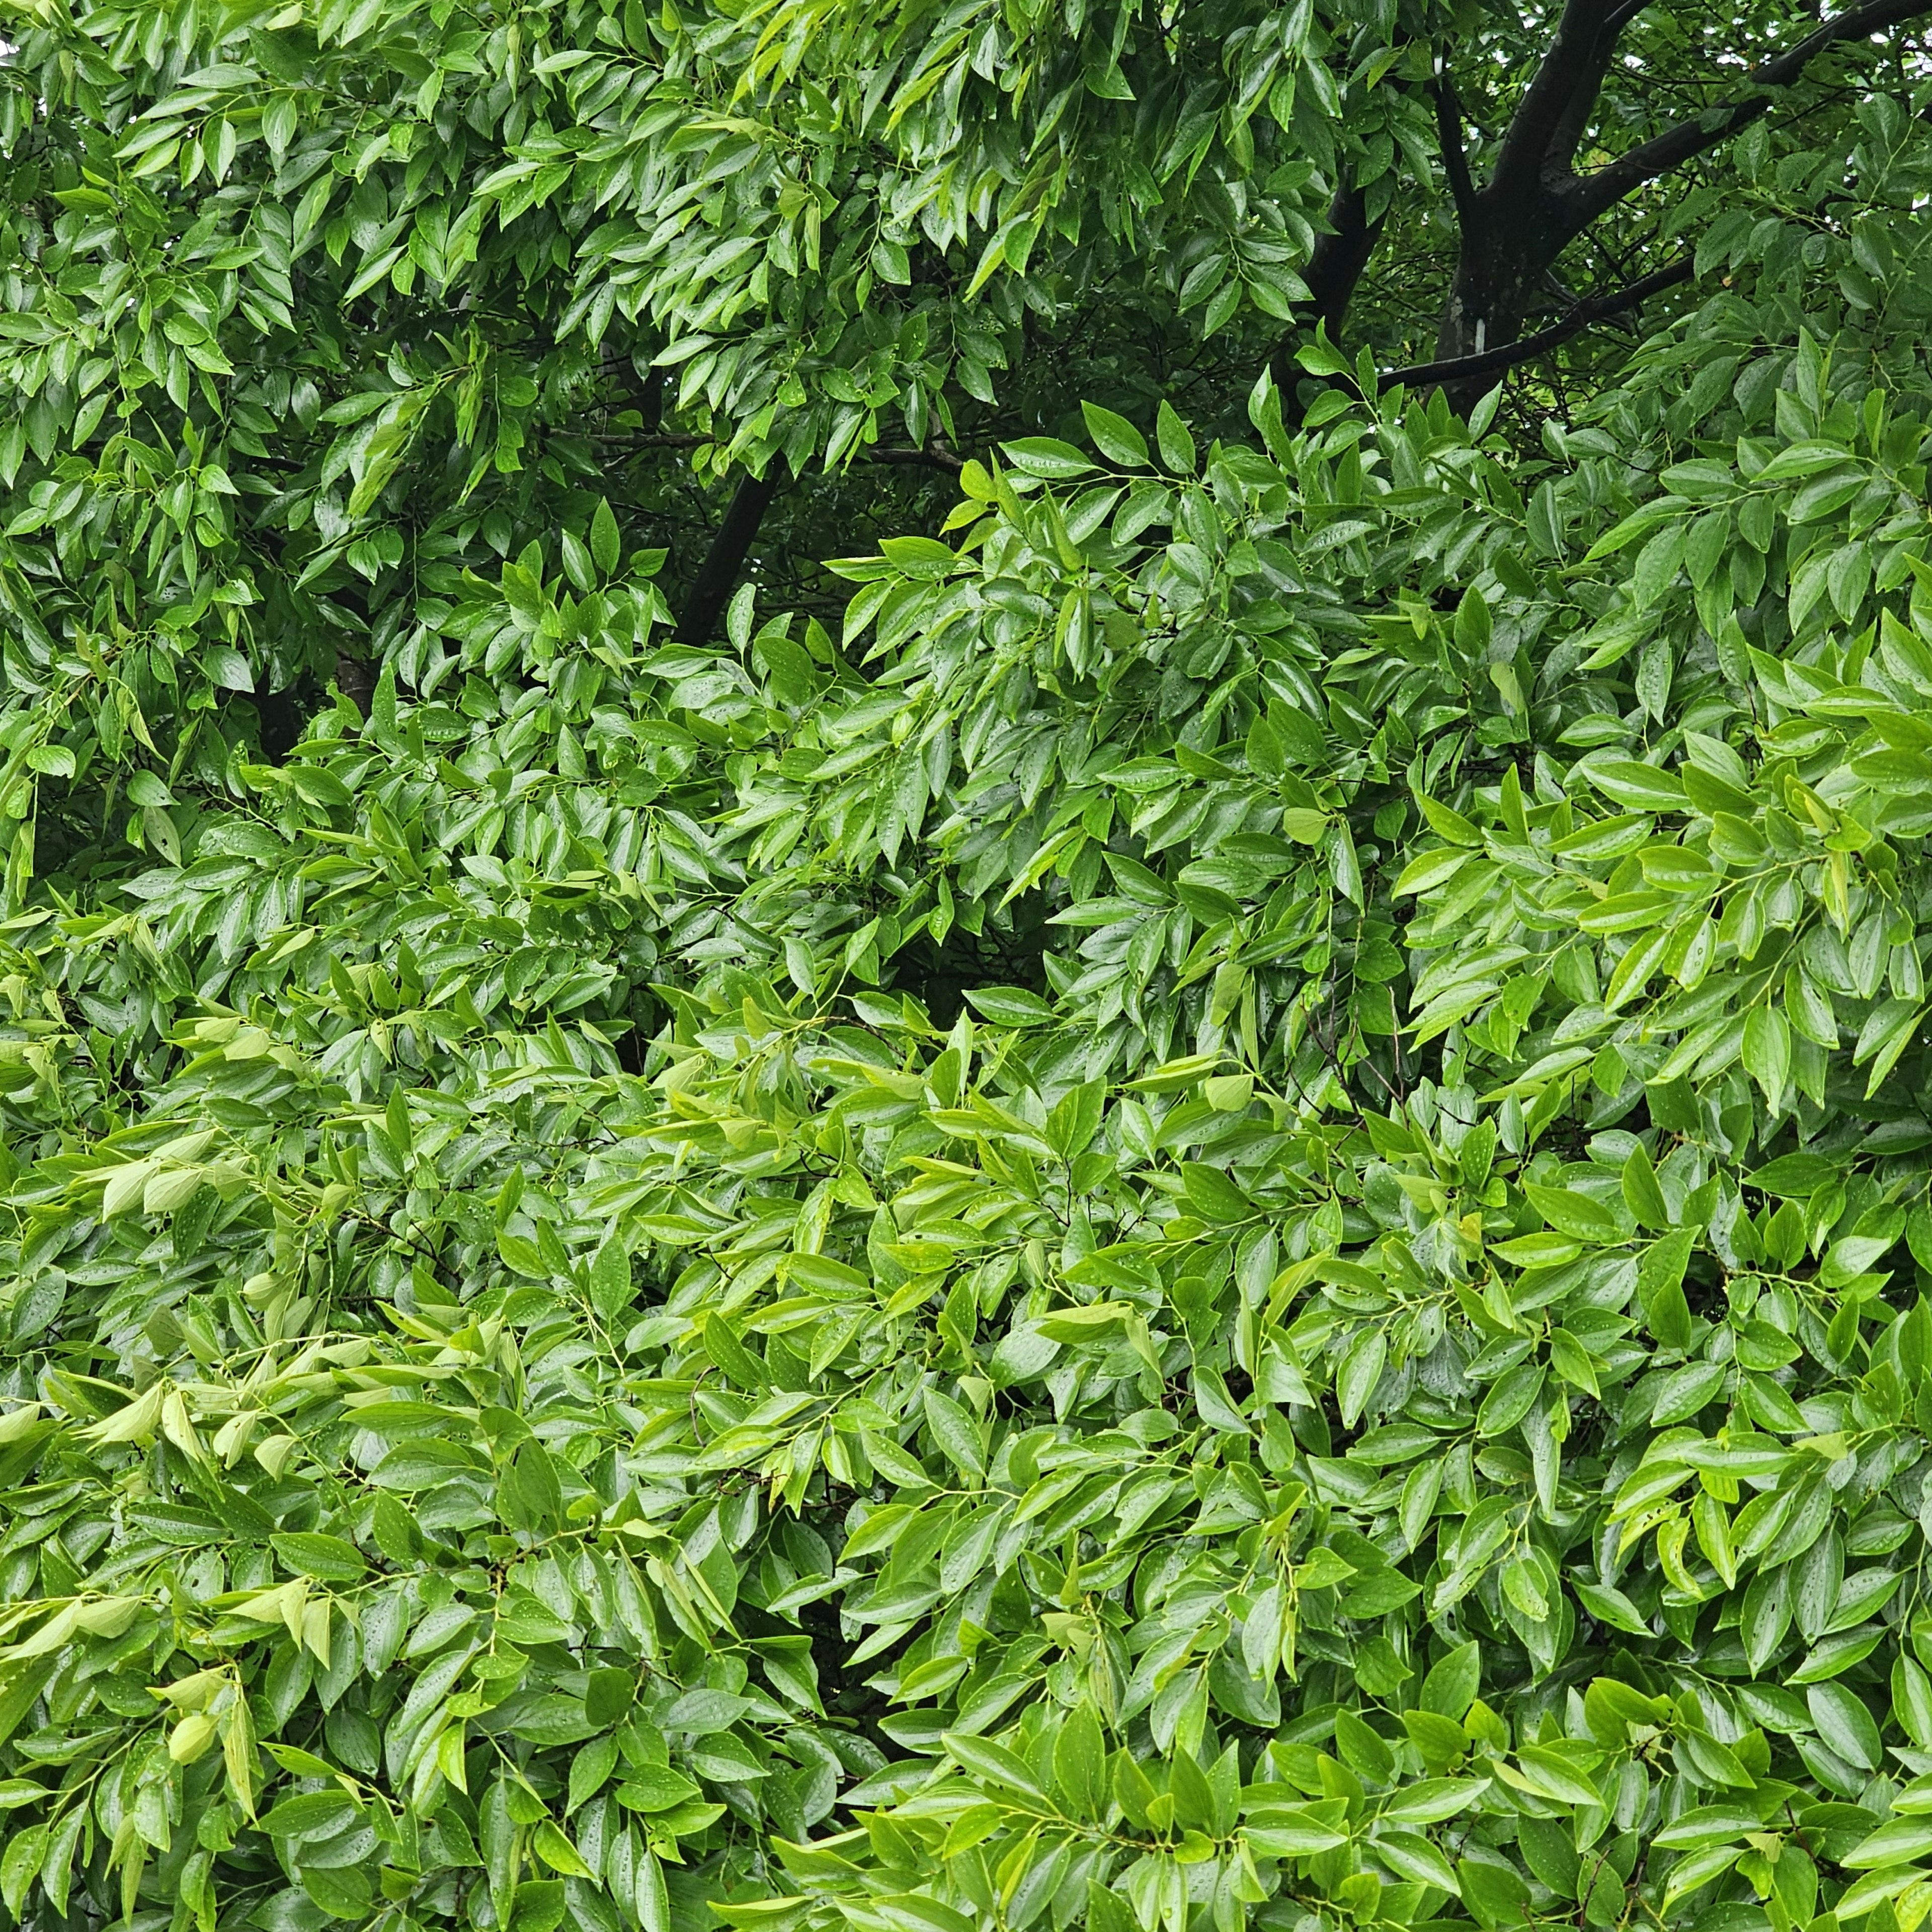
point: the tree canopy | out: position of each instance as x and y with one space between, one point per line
964 966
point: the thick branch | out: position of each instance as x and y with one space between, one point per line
1559 161
1449 137
1568 68
1591 196
1339 256
1507 355
931 456
717 575
1334 268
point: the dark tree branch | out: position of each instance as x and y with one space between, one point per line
1340 256
1574 121
1334 268
1569 67
717 575
1449 137
933 456
1463 369
1593 194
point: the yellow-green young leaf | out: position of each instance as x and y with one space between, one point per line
124 1188
1229 1093
171 1189
558 1853
192 1737
135 1422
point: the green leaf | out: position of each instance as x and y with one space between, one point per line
1844 1724
1115 436
1574 1214
1010 1006
1636 787
1450 1688
496 1835
956 1433
605 544
1707 1825
1360 1370
1410 1856
1767 1051
1609 1605
1042 456
315 1814
330 1558
1641 1194
1899 1843
1177 446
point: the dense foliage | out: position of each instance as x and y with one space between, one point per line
1198 1198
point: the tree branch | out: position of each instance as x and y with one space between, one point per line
932 456
1334 268
1560 158
1449 137
717 575
1568 67
1593 194
1507 355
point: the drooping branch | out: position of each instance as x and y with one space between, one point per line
1462 370
1591 195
